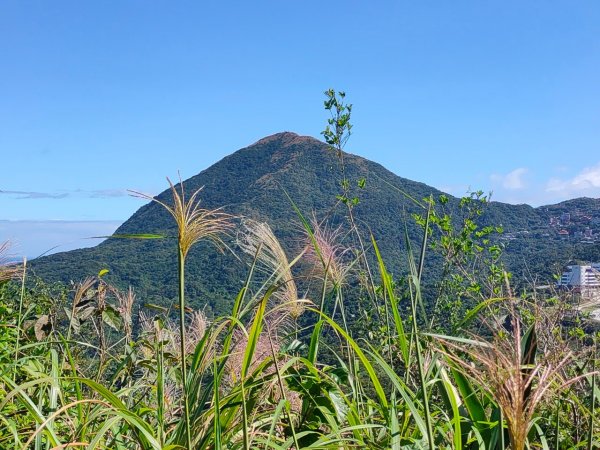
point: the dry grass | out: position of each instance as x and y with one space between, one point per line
169 334
326 255
518 377
258 240
7 271
193 222
125 302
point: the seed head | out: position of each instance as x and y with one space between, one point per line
193 222
327 256
259 240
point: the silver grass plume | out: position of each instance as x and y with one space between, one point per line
273 259
169 333
7 271
125 307
517 379
193 222
326 255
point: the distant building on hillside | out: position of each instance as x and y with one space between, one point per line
581 279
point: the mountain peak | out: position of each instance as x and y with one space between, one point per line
258 182
286 139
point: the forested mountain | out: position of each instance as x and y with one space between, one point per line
256 181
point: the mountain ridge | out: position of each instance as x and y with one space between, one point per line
255 182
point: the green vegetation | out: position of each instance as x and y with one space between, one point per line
322 346
253 183
256 379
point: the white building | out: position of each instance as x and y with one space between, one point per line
581 279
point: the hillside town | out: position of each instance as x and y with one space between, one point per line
578 225
564 222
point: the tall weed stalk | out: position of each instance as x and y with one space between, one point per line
193 225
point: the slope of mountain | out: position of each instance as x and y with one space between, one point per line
253 182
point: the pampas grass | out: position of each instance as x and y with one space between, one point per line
7 271
326 254
512 370
257 238
194 224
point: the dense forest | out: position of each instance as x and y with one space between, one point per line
266 180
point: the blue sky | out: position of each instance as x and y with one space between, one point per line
100 97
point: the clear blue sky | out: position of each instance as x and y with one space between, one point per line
99 97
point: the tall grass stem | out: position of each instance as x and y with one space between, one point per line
182 343
19 317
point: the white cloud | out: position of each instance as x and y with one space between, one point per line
20 195
100 193
588 177
108 193
585 183
521 186
513 180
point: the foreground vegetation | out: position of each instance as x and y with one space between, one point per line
473 366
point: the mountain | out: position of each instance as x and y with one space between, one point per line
256 181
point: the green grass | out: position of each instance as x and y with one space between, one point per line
266 377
